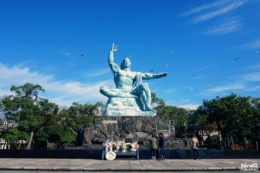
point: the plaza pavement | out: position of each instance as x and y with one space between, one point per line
124 165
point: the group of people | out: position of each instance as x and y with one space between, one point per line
155 146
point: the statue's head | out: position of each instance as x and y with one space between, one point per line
126 63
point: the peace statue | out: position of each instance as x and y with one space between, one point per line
131 97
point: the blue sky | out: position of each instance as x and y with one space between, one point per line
196 42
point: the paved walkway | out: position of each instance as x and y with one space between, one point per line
124 165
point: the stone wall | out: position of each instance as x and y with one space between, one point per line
132 129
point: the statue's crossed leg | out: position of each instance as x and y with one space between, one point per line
141 90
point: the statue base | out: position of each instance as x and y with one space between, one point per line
130 129
126 107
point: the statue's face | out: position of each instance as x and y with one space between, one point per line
126 63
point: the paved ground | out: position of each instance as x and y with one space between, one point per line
86 165
106 172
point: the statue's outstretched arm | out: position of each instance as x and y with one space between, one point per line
147 76
114 67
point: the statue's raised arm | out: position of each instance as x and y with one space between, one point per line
148 76
114 67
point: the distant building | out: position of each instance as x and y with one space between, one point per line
4 124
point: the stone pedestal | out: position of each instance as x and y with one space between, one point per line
129 128
126 107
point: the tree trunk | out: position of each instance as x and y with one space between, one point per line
245 140
228 140
220 136
5 145
19 144
30 142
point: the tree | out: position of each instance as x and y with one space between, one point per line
158 104
13 137
50 114
63 126
180 117
213 142
232 115
22 108
255 129
1 131
196 121
82 115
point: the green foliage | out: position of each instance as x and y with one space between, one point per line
14 135
213 142
129 147
61 134
178 115
157 103
233 116
22 108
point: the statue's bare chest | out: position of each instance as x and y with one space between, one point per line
127 74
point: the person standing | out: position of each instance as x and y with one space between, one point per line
161 147
194 145
153 146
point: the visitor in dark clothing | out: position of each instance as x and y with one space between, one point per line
161 146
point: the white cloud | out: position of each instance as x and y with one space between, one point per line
183 104
204 7
64 52
199 77
253 88
253 77
202 76
98 72
251 45
20 75
254 67
244 82
223 88
5 92
202 68
190 88
62 92
227 27
185 100
169 90
189 106
218 12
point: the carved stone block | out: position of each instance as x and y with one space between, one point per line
133 128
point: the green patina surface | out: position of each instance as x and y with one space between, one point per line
129 89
